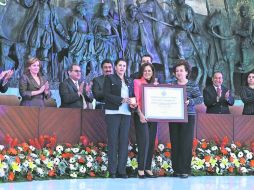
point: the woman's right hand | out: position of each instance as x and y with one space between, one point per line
42 88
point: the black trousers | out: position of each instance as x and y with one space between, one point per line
145 135
181 137
118 126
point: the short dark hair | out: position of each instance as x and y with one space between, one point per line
72 65
185 64
147 55
141 71
118 60
106 61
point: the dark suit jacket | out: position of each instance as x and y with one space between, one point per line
97 88
69 95
27 84
112 91
210 100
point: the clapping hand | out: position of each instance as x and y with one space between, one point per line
46 90
227 94
81 88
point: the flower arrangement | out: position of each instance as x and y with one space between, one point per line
42 158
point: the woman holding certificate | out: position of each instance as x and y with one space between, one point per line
145 131
118 90
181 134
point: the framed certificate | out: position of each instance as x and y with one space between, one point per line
165 103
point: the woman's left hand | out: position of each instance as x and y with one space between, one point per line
187 102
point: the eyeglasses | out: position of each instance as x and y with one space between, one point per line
77 71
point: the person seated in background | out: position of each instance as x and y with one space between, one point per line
4 79
217 97
98 82
247 95
33 87
73 93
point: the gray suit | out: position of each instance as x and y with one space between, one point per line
27 84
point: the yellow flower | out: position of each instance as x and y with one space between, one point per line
213 161
15 167
32 165
50 165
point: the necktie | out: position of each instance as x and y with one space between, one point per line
76 84
218 92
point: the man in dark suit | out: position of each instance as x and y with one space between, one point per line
217 97
73 93
98 82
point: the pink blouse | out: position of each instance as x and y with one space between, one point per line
138 90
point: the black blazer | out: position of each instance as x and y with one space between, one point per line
112 91
69 95
210 100
97 88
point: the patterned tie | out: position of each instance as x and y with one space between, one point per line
76 84
218 90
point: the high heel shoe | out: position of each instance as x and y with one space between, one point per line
149 175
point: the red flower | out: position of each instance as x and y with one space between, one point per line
67 155
81 160
52 173
237 143
168 145
68 145
88 149
11 176
84 140
224 151
92 174
1 157
195 143
204 145
161 172
12 151
231 159
252 163
42 157
167 154
224 141
242 160
207 158
17 159
99 159
29 176
231 169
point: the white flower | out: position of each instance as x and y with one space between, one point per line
228 149
37 161
94 152
74 175
34 155
72 160
243 170
214 148
233 146
2 173
103 168
208 151
249 155
161 147
89 158
129 147
153 164
72 167
240 155
59 148
20 148
67 150
1 147
222 165
56 161
89 164
6 157
233 155
21 156
26 164
103 154
159 158
82 169
75 150
32 148
200 149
